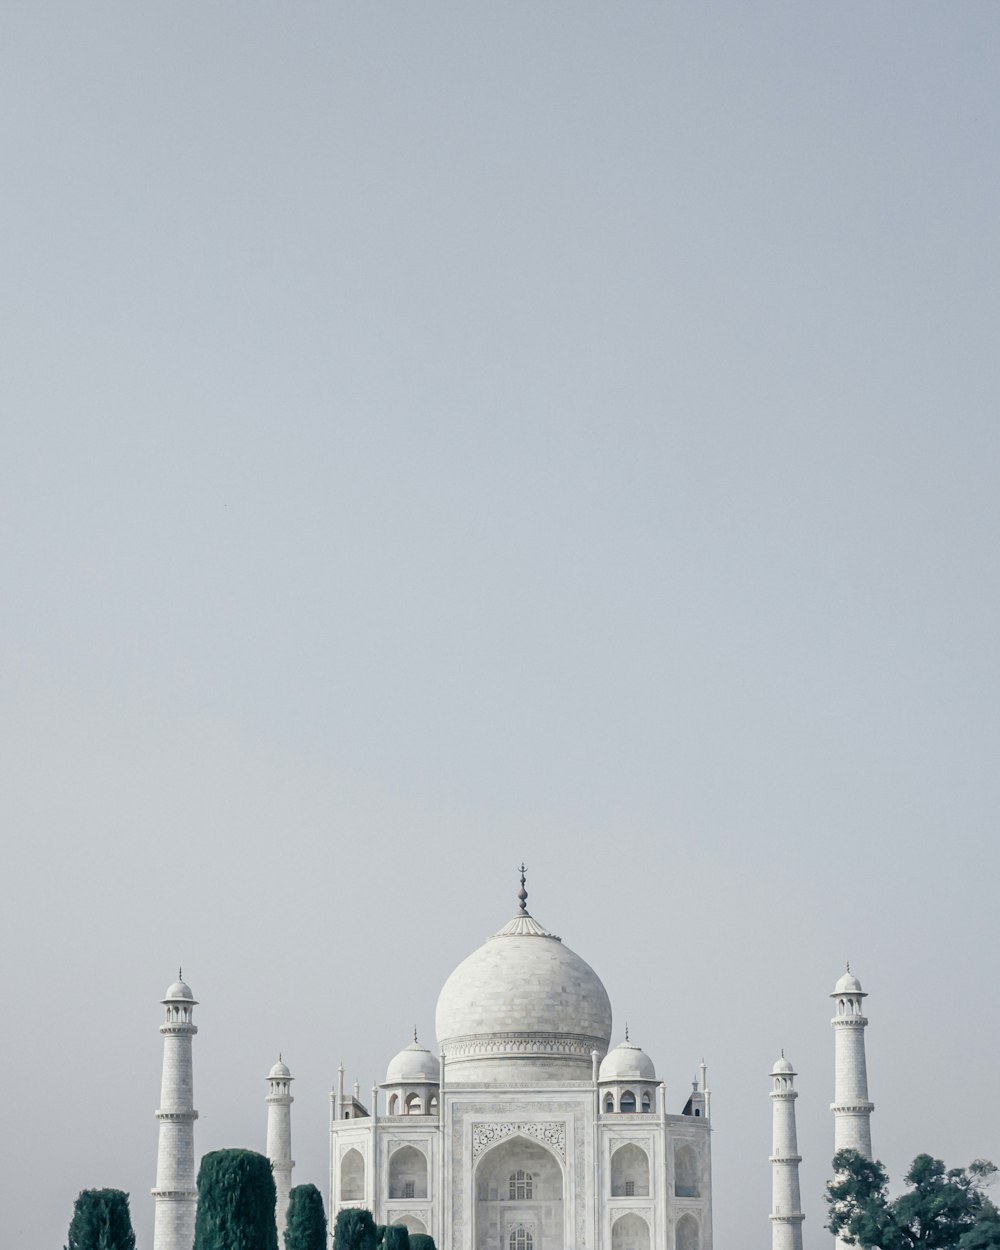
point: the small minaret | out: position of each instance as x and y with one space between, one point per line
851 1108
279 1139
175 1192
786 1202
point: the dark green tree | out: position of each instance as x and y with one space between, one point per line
305 1224
985 1233
354 1229
397 1237
422 1241
941 1210
235 1202
101 1221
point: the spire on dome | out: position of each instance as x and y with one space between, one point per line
626 1030
522 893
415 1042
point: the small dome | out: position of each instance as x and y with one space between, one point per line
179 991
782 1067
627 1062
413 1065
279 1072
848 984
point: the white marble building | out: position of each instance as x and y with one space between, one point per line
529 1132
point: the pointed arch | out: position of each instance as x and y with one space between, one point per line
688 1234
630 1172
407 1173
630 1232
686 1173
352 1175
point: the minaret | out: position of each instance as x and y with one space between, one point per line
786 1203
279 1139
851 1108
175 1192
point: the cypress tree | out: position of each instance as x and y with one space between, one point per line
305 1226
354 1229
397 1237
235 1202
101 1221
422 1241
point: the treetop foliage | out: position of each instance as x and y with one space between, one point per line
305 1224
101 1221
354 1229
236 1200
397 1237
941 1210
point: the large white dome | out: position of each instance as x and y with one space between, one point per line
521 1007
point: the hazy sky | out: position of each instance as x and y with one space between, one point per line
436 434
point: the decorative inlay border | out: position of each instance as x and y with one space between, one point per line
523 1043
549 1132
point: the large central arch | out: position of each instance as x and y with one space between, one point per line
519 1197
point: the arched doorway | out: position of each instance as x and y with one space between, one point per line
687 1233
630 1232
519 1198
411 1224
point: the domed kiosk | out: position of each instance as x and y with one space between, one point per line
527 1133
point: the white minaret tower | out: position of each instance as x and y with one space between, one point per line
851 1108
175 1192
786 1203
279 1139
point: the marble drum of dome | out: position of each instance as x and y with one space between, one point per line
522 1007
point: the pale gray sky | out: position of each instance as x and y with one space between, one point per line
437 434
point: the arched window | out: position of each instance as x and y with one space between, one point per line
433 1108
393 1104
629 1172
352 1175
627 1101
521 1238
609 1103
520 1186
686 1173
687 1233
647 1102
413 1105
407 1173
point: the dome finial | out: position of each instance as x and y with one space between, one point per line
522 893
848 965
180 974
626 1030
415 1035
